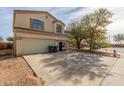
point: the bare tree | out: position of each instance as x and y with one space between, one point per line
1 39
118 38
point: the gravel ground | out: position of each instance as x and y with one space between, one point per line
16 72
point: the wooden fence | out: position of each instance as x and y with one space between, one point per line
6 48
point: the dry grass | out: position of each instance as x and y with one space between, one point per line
15 71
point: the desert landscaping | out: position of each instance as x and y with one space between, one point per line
16 72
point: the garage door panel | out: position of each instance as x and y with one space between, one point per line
30 46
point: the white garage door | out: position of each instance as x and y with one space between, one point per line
30 46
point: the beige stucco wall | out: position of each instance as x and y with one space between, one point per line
40 36
36 42
18 47
28 43
23 20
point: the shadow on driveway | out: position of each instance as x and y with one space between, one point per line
76 64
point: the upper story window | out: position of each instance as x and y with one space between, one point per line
58 28
37 24
46 17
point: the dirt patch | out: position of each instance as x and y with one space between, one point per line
15 71
99 53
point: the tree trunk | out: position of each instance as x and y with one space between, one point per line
90 48
78 44
91 42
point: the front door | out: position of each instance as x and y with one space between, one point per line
60 46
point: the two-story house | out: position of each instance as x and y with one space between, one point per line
34 31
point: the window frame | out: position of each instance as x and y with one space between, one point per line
31 24
60 26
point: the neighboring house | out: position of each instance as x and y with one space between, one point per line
35 31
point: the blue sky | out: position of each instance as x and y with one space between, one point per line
66 14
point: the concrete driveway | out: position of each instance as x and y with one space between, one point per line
73 68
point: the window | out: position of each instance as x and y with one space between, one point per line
58 28
46 17
37 24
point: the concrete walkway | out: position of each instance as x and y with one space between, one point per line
116 75
71 68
